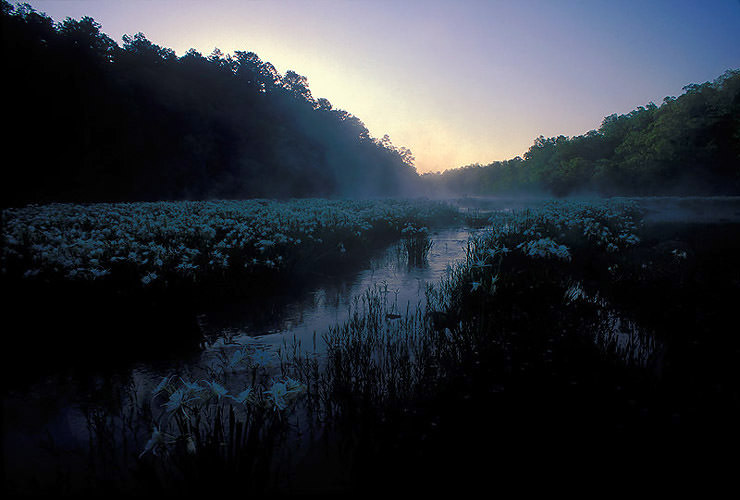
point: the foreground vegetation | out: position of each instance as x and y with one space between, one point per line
575 339
144 269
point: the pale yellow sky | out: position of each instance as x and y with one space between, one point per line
457 82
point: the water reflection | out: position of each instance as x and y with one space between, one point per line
51 413
616 333
329 304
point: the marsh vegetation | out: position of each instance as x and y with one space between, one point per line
209 287
567 334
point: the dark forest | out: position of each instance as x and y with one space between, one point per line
94 121
215 282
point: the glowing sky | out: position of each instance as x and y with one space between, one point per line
457 82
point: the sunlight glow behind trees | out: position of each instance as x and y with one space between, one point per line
455 82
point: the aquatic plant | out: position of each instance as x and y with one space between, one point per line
161 244
511 346
416 244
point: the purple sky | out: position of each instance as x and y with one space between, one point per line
457 82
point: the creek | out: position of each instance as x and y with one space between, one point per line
46 418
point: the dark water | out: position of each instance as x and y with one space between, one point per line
272 323
46 417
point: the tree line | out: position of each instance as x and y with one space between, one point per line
88 120
688 145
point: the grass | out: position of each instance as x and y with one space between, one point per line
573 342
144 269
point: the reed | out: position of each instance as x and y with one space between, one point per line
513 349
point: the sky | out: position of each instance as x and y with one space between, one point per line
457 82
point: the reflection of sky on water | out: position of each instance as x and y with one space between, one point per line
329 303
55 403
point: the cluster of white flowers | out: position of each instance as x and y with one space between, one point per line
544 248
607 224
187 239
188 399
410 230
679 254
555 231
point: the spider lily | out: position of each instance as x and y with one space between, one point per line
192 389
492 288
190 386
244 397
262 358
277 394
190 445
293 387
156 442
163 385
480 263
679 254
216 390
236 358
178 400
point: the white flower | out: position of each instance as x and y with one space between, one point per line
492 288
236 358
480 263
149 278
216 390
262 358
192 390
164 384
276 395
156 442
679 254
545 247
190 445
244 397
178 400
294 386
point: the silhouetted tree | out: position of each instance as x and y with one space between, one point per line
94 121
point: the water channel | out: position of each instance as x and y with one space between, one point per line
48 414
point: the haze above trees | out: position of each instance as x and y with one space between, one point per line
93 121
90 120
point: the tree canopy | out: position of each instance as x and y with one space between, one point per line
688 145
90 120
95 121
